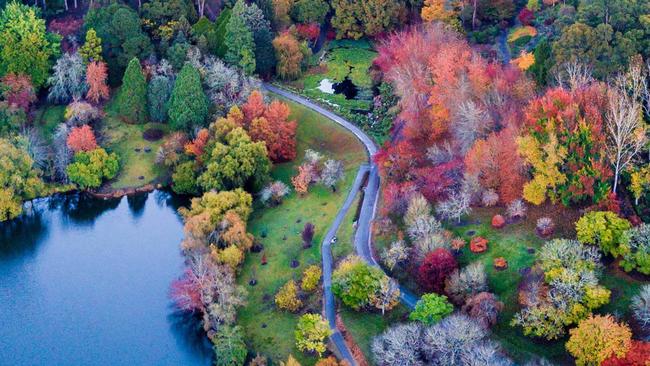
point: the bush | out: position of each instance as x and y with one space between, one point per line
484 308
287 297
81 139
639 354
490 198
311 332
603 228
598 338
545 226
356 283
641 311
311 278
153 134
431 308
467 282
516 209
274 193
435 269
636 249
89 168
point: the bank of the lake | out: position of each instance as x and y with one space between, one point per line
86 281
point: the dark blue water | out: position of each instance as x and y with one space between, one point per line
86 282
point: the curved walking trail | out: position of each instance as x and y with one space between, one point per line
362 236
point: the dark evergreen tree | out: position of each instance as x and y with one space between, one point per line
158 93
132 97
188 106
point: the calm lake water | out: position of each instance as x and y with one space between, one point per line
86 282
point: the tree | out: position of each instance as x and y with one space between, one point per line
309 11
274 193
235 161
281 10
454 335
188 106
640 307
353 19
289 56
229 346
90 168
96 74
239 38
484 308
626 130
132 97
436 10
91 51
82 139
399 345
287 297
603 228
220 25
254 106
431 308
158 93
184 179
435 269
543 62
332 173
356 283
469 281
19 181
311 332
598 338
260 27
302 181
307 234
635 245
68 81
277 132
310 278
455 206
25 46
18 91
638 354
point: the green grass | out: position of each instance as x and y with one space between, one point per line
319 207
48 119
124 139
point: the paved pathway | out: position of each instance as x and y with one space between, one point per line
363 235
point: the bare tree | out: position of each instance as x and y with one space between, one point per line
332 173
471 123
573 75
454 207
399 345
626 133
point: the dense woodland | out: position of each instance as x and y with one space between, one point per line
515 185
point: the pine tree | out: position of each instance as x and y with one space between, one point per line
239 38
188 106
132 98
92 48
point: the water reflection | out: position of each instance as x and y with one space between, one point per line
86 282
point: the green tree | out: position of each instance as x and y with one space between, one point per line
287 297
184 179
92 48
311 332
239 38
19 181
188 106
132 98
229 347
431 308
90 168
356 283
220 26
25 46
603 228
354 19
235 161
158 94
309 11
543 63
260 26
177 53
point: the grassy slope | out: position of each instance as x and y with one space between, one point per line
319 207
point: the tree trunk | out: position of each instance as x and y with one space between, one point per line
65 4
474 15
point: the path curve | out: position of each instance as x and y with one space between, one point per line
363 235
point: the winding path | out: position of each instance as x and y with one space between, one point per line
363 237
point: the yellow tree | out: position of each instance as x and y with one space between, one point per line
545 160
438 10
598 338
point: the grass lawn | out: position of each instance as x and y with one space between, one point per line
48 118
124 139
268 331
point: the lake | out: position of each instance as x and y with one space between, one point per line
86 282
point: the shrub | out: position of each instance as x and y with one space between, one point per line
435 269
545 225
80 113
467 282
90 168
311 278
484 308
516 209
356 283
287 297
153 134
311 332
274 193
641 311
598 338
431 308
307 234
635 249
490 198
603 228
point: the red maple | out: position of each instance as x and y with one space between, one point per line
81 139
435 268
18 90
96 74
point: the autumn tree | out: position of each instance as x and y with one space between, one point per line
289 56
68 80
19 180
96 74
25 46
311 332
598 338
436 10
281 9
638 354
435 269
132 97
254 106
196 147
17 90
287 297
354 19
82 139
188 106
277 132
302 180
91 51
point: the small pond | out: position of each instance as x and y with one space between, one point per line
86 282
346 87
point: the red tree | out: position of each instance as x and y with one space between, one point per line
526 16
435 268
309 31
277 131
197 146
254 106
96 74
82 139
186 292
638 355
18 90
